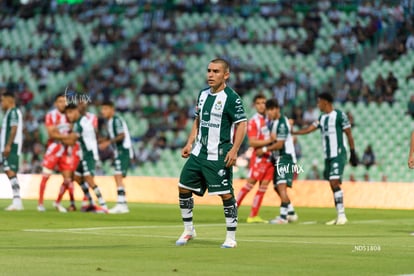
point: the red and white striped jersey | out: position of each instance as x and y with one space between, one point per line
58 120
257 128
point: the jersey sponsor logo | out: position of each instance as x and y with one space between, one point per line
225 182
239 108
209 124
238 101
218 115
238 116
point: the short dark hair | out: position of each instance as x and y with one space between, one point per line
59 95
108 103
259 96
272 103
71 106
326 96
225 63
8 94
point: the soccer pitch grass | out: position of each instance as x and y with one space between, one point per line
375 242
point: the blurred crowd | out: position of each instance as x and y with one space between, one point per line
294 88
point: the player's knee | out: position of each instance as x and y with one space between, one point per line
183 190
47 171
226 196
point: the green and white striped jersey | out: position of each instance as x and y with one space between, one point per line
332 126
87 138
13 117
217 113
282 129
117 126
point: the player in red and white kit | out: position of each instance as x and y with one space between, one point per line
58 156
261 167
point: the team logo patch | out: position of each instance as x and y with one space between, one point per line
218 105
221 173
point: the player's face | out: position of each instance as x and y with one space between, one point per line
4 103
260 105
60 104
72 114
107 111
216 76
322 104
273 113
82 106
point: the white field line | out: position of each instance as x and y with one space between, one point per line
281 240
91 229
103 231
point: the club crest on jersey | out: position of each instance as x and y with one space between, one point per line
218 105
221 173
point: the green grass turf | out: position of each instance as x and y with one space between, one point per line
143 243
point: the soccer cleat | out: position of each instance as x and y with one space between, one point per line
15 207
41 208
101 209
59 207
185 237
278 220
341 220
87 208
229 243
71 208
292 218
256 219
119 209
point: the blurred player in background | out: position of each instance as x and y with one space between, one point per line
58 155
411 153
11 141
261 166
87 202
333 123
218 130
121 140
284 155
84 133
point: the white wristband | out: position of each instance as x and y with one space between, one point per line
264 149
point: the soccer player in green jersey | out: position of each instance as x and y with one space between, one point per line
121 140
333 123
84 132
283 152
11 140
218 130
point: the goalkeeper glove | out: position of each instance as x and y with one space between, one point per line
353 159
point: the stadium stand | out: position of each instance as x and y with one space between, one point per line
150 56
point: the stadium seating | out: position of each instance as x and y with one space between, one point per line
389 148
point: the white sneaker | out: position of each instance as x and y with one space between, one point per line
341 220
59 207
229 243
185 237
15 207
119 209
278 220
41 208
292 218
